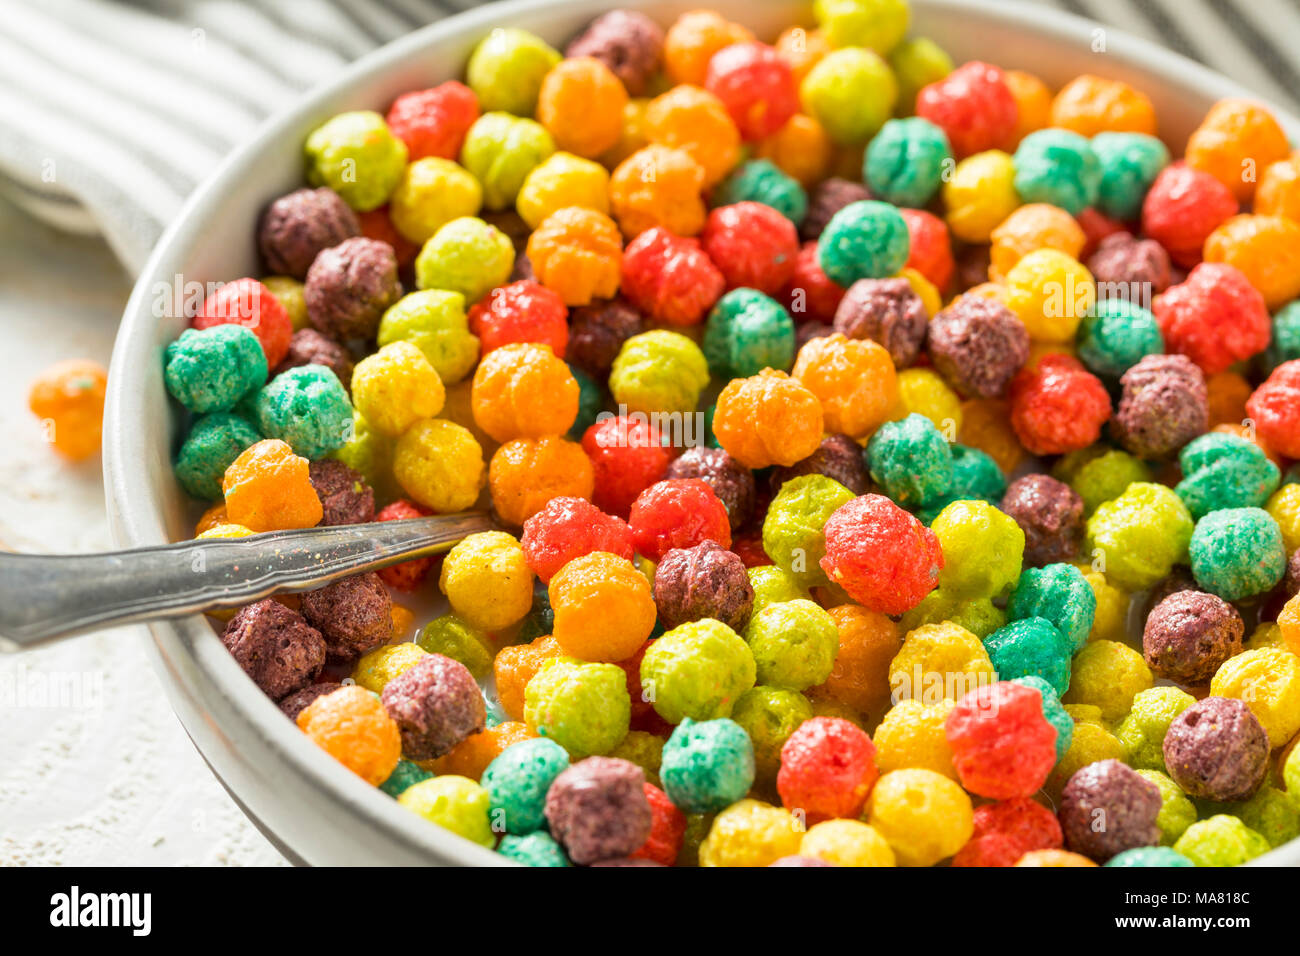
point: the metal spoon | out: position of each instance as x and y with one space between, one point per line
45 597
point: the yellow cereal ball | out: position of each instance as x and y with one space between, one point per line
439 465
751 833
522 390
847 843
912 736
487 581
1053 858
381 665
1050 292
396 387
801 149
986 425
1284 506
980 194
923 815
581 105
223 530
1268 682
1107 674
431 193
924 392
1110 620
930 297
526 473
1030 228
1091 742
854 380
939 662
562 180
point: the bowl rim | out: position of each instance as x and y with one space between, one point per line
194 667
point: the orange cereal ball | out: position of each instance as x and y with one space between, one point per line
801 149
986 425
581 106
522 390
514 667
1033 105
439 465
1235 142
352 726
471 756
854 380
1228 392
1030 228
267 488
1278 192
768 419
696 122
604 609
69 398
868 643
801 49
658 186
693 39
1089 105
1267 251
578 254
526 473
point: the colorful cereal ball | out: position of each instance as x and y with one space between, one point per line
212 370
517 780
845 843
526 473
910 460
1124 804
1108 675
395 387
213 443
802 151
487 581
1030 228
1234 143
1268 680
567 528
752 245
876 24
761 181
1129 165
853 378
697 670
351 725
603 607
755 85
357 156
768 419
267 488
522 311
678 513
1050 292
507 68
1141 534
906 161
851 92
435 322
1275 409
658 186
939 662
864 240
924 816
1058 407
670 278
1143 729
1224 471
1007 830
1090 105
702 581
500 151
1115 335
794 644
578 253
1220 840
450 636
1217 750
431 193
1002 745
792 528
827 770
298 225
1238 553
659 371
769 716
692 41
972 105
980 194
523 391
696 122
584 707
750 833
1031 647
628 455
1181 209
707 765
467 256
581 105
1033 105
1267 251
434 122
248 303
667 829
983 549
1278 191
882 556
439 465
912 735
627 42
1060 594
978 344
917 62
560 181
747 332
1058 167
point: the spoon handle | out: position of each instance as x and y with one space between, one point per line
44 597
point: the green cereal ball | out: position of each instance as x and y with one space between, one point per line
1115 335
794 644
288 291
591 402
1141 535
707 765
1272 814
533 849
645 750
875 24
659 371
517 780
1058 593
308 408
585 708
435 322
213 443
1238 553
1225 471
1099 475
371 453
455 803
917 63
1222 840
906 161
793 527
770 715
1053 710
697 670
1149 856
1031 647
431 193
1142 731
506 70
851 92
747 332
911 461
500 151
975 476
978 615
774 585
864 240
1057 166
762 181
211 370
1129 164
1285 346
453 637
357 156
983 548
468 256
1177 812
405 775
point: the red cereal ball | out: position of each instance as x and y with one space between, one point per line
523 311
1215 317
667 829
810 295
1181 209
1275 408
752 244
973 105
1002 745
1007 830
930 248
1096 226
828 767
248 303
670 278
376 224
569 528
882 556
434 122
1057 406
677 513
756 86
628 455
408 575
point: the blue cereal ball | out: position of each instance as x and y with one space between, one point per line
211 370
864 240
213 443
1237 553
1059 167
905 162
406 774
1031 647
911 461
1129 164
517 781
308 408
1224 471
1059 594
1149 856
747 332
975 476
1053 710
533 849
1115 335
707 765
761 180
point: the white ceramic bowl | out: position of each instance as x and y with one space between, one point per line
309 805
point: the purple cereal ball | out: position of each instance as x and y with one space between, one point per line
309 347
703 581
1217 750
732 482
355 615
1133 269
978 345
598 810
275 646
344 494
300 700
597 332
627 42
800 861
1107 808
436 704
826 200
297 227
838 457
805 332
1163 405
349 286
1189 634
1050 513
887 311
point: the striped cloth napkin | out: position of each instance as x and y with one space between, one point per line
112 112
